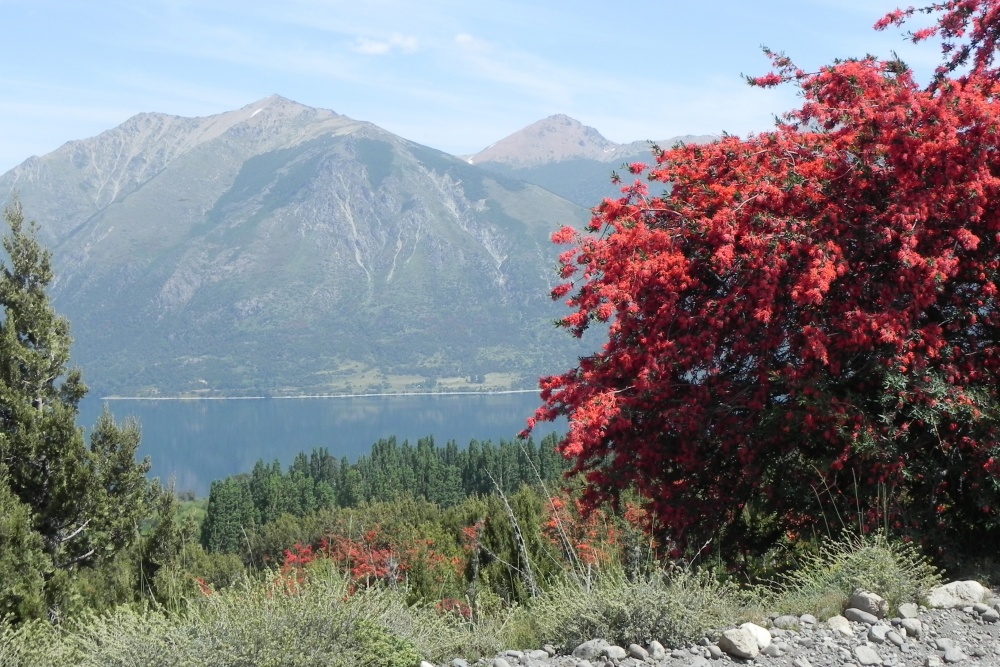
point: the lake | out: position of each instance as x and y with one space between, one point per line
199 440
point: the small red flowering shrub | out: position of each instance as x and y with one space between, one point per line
807 325
373 558
585 539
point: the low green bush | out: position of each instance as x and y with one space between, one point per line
259 623
675 607
826 577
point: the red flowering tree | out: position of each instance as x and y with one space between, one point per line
808 322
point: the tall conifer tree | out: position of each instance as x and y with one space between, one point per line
84 503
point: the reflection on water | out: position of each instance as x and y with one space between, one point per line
197 441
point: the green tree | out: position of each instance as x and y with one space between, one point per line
23 563
84 504
231 515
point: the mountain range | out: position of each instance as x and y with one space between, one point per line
284 250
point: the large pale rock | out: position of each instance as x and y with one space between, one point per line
637 652
739 643
840 625
913 627
866 655
656 650
869 602
760 635
957 594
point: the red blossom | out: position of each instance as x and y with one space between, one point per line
812 307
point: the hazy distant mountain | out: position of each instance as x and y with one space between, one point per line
284 249
568 158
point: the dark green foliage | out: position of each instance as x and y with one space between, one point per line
442 475
66 506
23 563
231 512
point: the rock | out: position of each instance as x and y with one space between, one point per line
458 662
866 655
424 663
656 650
894 637
772 651
715 652
538 654
878 633
860 616
800 662
943 643
908 610
500 662
590 649
517 655
637 652
698 661
550 649
869 602
932 661
761 635
954 654
787 622
614 652
990 616
808 619
913 627
840 625
957 594
739 643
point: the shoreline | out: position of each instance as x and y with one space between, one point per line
303 396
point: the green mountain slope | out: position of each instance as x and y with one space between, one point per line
287 250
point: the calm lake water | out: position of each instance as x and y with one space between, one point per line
197 441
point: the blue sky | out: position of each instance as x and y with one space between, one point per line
453 74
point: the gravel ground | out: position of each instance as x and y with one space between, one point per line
958 631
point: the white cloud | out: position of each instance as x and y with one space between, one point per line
395 42
470 43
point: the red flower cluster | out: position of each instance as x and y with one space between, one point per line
810 315
369 559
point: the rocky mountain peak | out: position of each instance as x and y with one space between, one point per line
551 139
